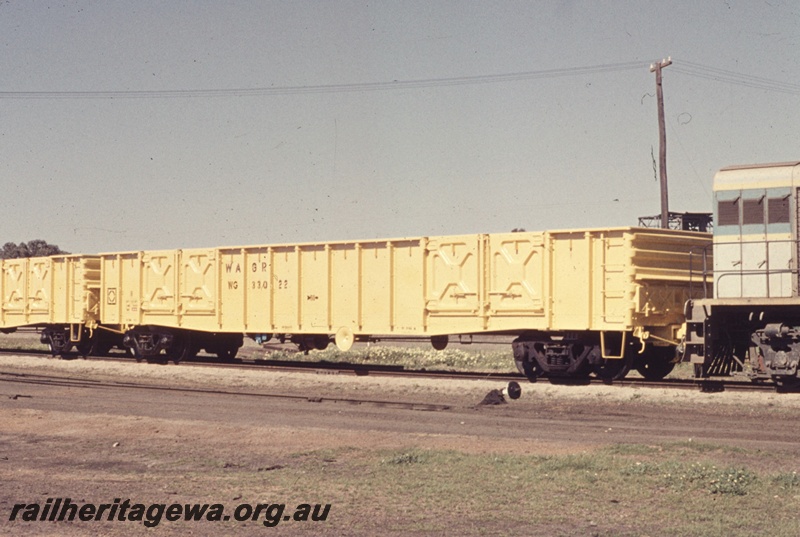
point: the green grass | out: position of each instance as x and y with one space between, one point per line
500 360
675 489
22 342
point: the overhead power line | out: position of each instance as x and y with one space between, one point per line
326 88
680 66
731 77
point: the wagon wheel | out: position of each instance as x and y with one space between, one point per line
321 342
529 368
613 369
63 351
85 347
130 352
656 363
583 372
58 342
181 349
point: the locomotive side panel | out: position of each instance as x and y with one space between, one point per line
751 325
755 249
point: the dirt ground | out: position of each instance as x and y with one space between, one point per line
95 432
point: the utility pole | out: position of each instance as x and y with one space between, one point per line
662 141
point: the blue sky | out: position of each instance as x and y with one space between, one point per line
108 141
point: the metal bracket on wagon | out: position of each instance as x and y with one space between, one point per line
603 349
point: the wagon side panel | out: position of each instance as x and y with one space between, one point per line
160 288
257 303
345 287
121 293
285 289
42 297
571 262
517 281
454 284
375 284
199 290
314 266
3 321
72 287
408 287
667 270
110 290
15 292
611 289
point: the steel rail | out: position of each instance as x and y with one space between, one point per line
710 385
74 382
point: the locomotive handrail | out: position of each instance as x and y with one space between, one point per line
703 251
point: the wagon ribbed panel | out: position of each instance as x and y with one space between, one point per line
49 290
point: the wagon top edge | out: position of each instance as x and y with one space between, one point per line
430 238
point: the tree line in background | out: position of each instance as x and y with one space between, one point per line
34 248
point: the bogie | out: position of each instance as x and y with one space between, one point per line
576 356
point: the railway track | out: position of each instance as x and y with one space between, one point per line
82 383
706 385
380 370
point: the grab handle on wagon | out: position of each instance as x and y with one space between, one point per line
621 347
